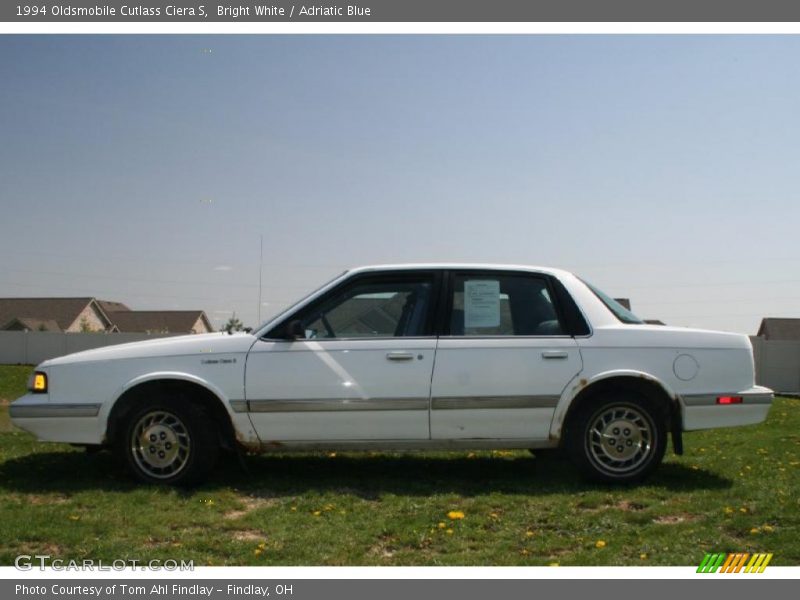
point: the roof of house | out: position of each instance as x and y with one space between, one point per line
626 302
171 321
779 329
111 306
654 322
63 311
31 324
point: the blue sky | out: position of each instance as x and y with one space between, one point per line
144 168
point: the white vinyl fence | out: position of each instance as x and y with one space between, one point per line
32 347
777 362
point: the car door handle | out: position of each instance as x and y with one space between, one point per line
555 354
400 356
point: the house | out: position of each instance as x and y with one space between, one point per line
626 303
779 329
75 315
161 321
53 314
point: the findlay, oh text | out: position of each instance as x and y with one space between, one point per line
164 589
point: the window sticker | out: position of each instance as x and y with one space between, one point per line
481 303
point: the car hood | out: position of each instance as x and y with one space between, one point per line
208 343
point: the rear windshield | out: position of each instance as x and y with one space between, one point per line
622 313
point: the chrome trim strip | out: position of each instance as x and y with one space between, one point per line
337 404
711 399
238 406
493 402
33 411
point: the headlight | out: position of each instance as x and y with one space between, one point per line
38 383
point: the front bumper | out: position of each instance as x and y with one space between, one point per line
51 422
701 411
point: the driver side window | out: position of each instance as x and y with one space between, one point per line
372 309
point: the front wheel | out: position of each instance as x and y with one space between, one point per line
617 437
169 441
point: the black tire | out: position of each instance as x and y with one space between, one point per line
617 436
168 441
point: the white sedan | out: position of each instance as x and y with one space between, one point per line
408 357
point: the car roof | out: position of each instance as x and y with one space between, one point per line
458 266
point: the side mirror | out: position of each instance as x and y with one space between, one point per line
295 330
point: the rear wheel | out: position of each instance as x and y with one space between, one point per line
619 436
168 441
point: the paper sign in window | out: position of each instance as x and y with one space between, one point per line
481 303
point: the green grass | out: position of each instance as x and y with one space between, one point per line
13 382
734 490
13 379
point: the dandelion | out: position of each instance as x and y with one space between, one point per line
257 551
74 518
317 513
755 531
768 528
494 515
643 556
599 544
529 533
743 509
442 525
554 564
524 552
293 509
455 515
728 510
449 532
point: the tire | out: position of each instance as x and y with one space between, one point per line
617 437
168 441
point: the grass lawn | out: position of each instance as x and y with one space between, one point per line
734 490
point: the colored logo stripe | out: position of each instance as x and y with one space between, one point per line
734 562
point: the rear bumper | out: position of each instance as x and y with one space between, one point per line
701 411
51 422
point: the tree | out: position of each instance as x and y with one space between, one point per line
85 326
233 324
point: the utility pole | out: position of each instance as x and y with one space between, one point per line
260 269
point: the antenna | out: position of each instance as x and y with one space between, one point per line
260 269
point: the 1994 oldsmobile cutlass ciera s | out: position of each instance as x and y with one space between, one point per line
408 357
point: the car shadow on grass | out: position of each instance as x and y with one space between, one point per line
364 476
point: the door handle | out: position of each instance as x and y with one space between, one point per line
399 356
549 354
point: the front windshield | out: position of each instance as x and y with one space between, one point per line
622 313
260 329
